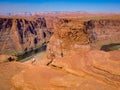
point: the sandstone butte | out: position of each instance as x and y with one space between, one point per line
73 59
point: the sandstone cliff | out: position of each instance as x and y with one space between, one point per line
69 36
22 34
75 34
103 31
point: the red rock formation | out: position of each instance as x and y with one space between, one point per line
19 34
69 36
78 35
103 31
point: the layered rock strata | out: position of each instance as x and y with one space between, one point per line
21 34
74 35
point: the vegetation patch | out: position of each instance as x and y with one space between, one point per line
26 55
111 47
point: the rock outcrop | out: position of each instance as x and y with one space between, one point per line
22 34
69 36
74 35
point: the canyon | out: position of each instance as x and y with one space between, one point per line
22 34
74 57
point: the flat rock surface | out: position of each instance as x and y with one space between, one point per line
93 70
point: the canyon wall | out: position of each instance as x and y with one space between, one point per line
22 34
75 34
70 34
103 32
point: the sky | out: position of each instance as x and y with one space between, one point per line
9 6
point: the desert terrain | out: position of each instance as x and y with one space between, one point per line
60 51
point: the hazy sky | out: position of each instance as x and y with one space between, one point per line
7 6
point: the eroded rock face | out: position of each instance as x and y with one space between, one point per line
103 31
74 35
104 28
20 34
70 36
